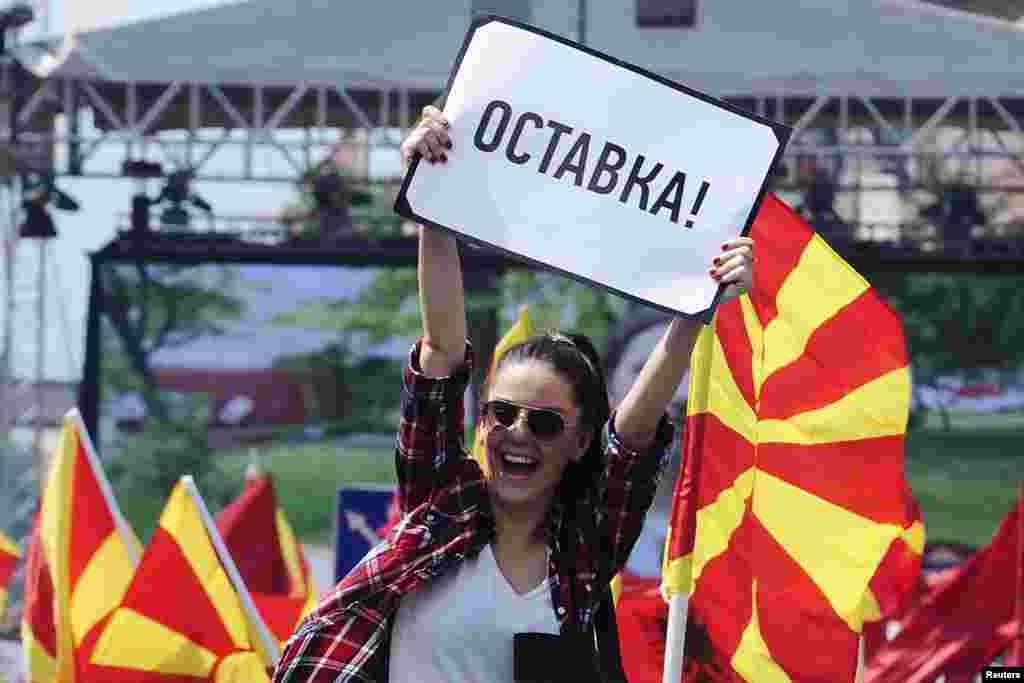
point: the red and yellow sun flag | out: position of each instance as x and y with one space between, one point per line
520 331
186 615
38 631
82 557
270 559
10 553
792 521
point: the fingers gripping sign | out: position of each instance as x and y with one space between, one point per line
734 268
429 139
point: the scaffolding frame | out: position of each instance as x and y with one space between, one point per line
189 123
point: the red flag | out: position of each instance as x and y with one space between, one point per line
269 559
964 623
38 627
1015 654
642 617
249 528
10 553
794 511
80 562
184 617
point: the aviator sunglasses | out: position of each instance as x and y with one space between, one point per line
543 423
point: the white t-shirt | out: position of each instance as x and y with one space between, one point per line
459 627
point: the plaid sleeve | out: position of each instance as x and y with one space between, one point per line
430 433
626 491
322 651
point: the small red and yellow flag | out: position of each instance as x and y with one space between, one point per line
82 557
270 559
10 553
186 615
38 630
792 514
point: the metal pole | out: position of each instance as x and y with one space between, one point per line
40 363
581 22
6 381
9 110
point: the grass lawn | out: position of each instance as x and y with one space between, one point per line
307 477
966 481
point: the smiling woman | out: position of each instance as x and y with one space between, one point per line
492 566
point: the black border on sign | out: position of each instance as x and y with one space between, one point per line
781 131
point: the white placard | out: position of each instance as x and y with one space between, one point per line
593 167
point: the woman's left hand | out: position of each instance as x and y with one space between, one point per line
734 268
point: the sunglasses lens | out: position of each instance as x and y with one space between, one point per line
504 414
545 424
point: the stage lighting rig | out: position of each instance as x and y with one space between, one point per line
177 192
38 193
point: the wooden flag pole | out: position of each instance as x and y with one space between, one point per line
675 643
861 665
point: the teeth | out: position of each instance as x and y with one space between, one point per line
519 459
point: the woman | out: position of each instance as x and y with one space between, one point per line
528 547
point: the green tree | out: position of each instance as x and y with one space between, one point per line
151 308
958 324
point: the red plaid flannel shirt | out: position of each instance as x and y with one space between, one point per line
447 517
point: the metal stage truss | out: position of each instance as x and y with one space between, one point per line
191 122
870 147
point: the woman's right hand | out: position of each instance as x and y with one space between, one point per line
442 301
428 139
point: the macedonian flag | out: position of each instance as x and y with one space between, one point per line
186 615
792 521
9 555
82 557
269 558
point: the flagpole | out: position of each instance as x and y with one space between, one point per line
675 643
269 643
128 536
861 664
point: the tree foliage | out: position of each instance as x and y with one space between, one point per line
150 309
958 325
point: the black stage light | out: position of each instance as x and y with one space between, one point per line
177 192
175 216
38 222
141 169
38 192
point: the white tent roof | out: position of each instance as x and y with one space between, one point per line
880 48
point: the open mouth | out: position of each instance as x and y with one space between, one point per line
518 466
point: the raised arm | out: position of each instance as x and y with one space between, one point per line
442 303
637 417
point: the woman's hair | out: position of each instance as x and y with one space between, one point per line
574 357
